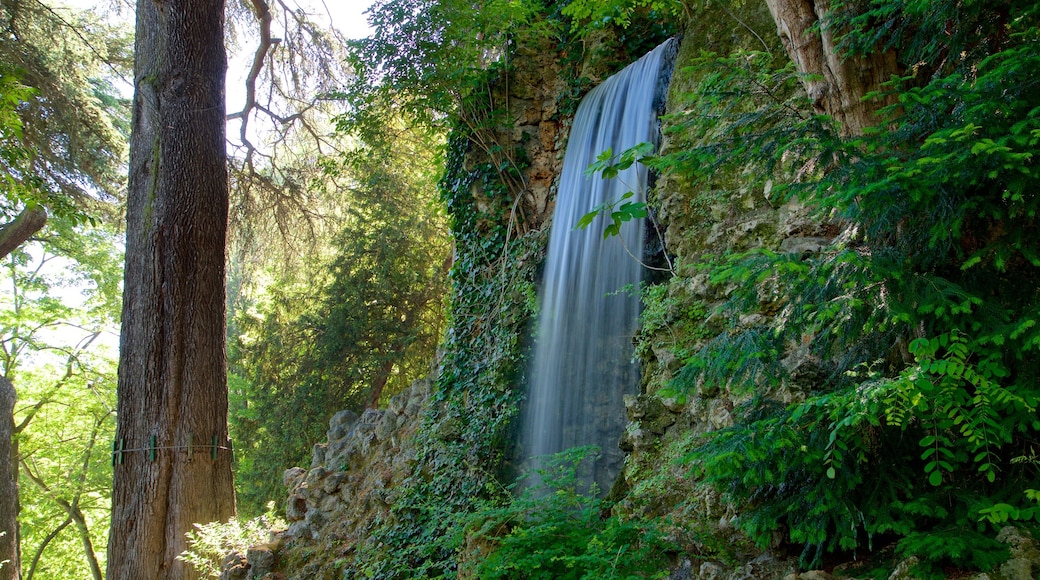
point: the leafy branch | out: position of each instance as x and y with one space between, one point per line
619 211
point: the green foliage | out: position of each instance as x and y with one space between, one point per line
1001 512
425 55
920 33
921 317
14 155
432 57
672 319
609 167
68 421
62 146
597 14
463 442
209 544
73 123
351 329
58 312
627 211
552 530
961 548
744 117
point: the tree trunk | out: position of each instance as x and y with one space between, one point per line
10 564
836 85
174 469
381 378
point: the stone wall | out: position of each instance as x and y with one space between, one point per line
333 505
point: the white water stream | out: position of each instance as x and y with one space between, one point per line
583 358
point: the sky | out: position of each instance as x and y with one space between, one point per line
348 16
345 15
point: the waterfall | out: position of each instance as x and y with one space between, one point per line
583 364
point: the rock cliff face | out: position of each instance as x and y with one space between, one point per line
663 428
333 506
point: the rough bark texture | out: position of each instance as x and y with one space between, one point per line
14 234
172 371
836 85
9 557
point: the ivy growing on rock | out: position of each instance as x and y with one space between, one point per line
920 317
462 444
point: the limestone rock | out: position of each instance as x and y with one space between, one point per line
315 519
261 561
331 506
295 508
803 245
386 426
1024 562
711 571
293 476
318 454
333 482
234 567
315 482
810 575
340 424
903 569
651 413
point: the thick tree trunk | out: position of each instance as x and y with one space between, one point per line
836 85
174 469
10 564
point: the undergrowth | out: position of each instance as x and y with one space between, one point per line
209 544
553 530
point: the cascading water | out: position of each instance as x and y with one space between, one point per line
582 365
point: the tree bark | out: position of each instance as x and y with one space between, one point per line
14 234
10 565
835 84
172 387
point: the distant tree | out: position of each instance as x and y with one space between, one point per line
73 123
353 325
175 469
11 153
